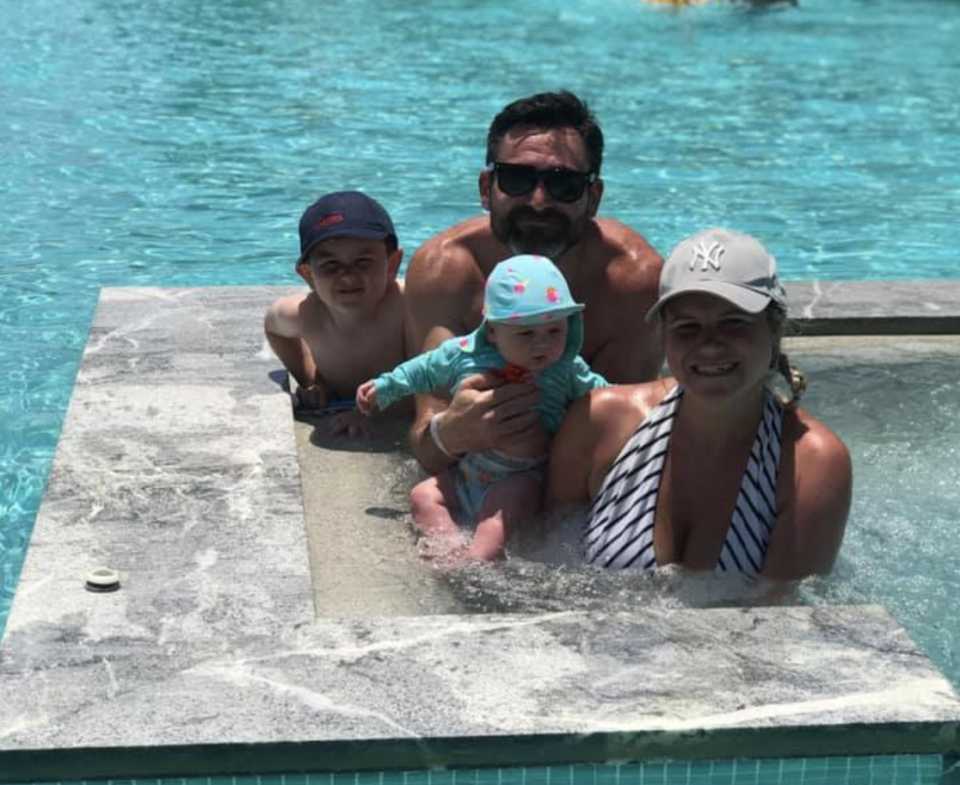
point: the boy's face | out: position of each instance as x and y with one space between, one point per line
348 273
533 346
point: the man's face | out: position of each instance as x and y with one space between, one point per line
536 222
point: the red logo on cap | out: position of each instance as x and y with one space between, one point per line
333 218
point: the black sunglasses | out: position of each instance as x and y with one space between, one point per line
564 185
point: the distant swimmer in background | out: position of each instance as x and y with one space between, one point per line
348 326
711 469
532 332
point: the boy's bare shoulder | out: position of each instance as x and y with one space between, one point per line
285 315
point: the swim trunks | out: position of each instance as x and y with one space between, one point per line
476 472
619 529
332 406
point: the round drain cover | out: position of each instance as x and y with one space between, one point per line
102 579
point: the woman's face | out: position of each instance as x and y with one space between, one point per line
715 349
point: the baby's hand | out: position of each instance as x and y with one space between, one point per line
349 424
367 397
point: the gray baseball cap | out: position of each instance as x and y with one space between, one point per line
724 263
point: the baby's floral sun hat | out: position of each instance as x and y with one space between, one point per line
525 290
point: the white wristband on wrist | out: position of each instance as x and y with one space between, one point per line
435 435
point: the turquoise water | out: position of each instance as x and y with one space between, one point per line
176 143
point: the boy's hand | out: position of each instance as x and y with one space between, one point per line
349 424
313 396
367 397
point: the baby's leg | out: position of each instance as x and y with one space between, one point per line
433 503
507 504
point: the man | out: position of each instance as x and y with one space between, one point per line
542 188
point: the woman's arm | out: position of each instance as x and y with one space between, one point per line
813 492
569 466
593 432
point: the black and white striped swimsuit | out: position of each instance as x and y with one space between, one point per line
619 531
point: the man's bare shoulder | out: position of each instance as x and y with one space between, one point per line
631 259
447 259
613 260
445 280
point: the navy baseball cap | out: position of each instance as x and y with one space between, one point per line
343 214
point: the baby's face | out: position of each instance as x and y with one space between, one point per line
530 346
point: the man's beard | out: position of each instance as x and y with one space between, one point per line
521 238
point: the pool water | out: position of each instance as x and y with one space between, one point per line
176 144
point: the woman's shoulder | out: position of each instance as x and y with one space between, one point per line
601 422
627 401
814 441
815 501
822 472
592 434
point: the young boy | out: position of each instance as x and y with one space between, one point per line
532 330
349 325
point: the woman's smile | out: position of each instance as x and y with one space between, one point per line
714 369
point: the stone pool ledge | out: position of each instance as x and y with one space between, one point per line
177 466
875 307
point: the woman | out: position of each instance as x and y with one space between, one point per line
708 469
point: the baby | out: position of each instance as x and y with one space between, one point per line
532 330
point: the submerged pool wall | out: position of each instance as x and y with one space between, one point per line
177 466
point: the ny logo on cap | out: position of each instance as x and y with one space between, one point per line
706 257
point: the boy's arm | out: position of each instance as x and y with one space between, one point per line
281 325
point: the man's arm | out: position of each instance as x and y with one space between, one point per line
432 303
